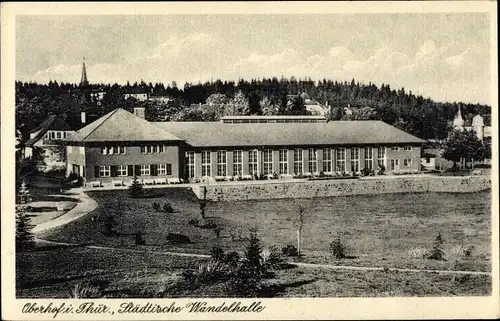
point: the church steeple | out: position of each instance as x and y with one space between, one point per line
84 81
458 122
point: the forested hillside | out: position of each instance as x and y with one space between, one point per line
418 115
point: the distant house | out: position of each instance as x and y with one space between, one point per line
97 95
312 105
348 110
157 98
428 161
47 138
479 124
139 94
316 108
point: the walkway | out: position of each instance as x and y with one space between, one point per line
85 206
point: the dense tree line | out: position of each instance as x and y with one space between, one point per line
413 113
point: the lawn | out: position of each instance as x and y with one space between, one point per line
51 272
378 230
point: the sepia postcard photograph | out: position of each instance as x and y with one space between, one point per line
303 160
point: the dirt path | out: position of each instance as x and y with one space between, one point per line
365 268
299 264
85 206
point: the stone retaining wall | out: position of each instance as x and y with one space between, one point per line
309 189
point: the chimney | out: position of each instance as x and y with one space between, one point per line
83 117
140 112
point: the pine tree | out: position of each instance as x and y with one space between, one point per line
135 190
298 107
437 252
255 107
247 278
24 194
253 254
25 239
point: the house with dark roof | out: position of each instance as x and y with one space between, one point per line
46 140
121 145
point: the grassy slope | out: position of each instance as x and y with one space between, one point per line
378 230
53 271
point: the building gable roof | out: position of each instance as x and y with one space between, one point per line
206 134
120 126
52 122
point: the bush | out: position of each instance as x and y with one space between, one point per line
135 190
272 258
90 290
139 239
289 250
206 273
167 208
156 206
365 171
232 259
193 222
418 253
217 253
221 268
209 225
175 238
217 231
469 231
462 251
109 223
72 176
338 249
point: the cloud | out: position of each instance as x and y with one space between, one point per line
433 70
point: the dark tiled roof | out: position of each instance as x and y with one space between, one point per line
53 122
204 134
120 125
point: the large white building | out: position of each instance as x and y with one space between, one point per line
482 131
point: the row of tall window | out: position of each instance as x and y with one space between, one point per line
113 150
405 148
153 149
267 157
120 149
130 170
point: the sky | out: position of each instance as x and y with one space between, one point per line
442 56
